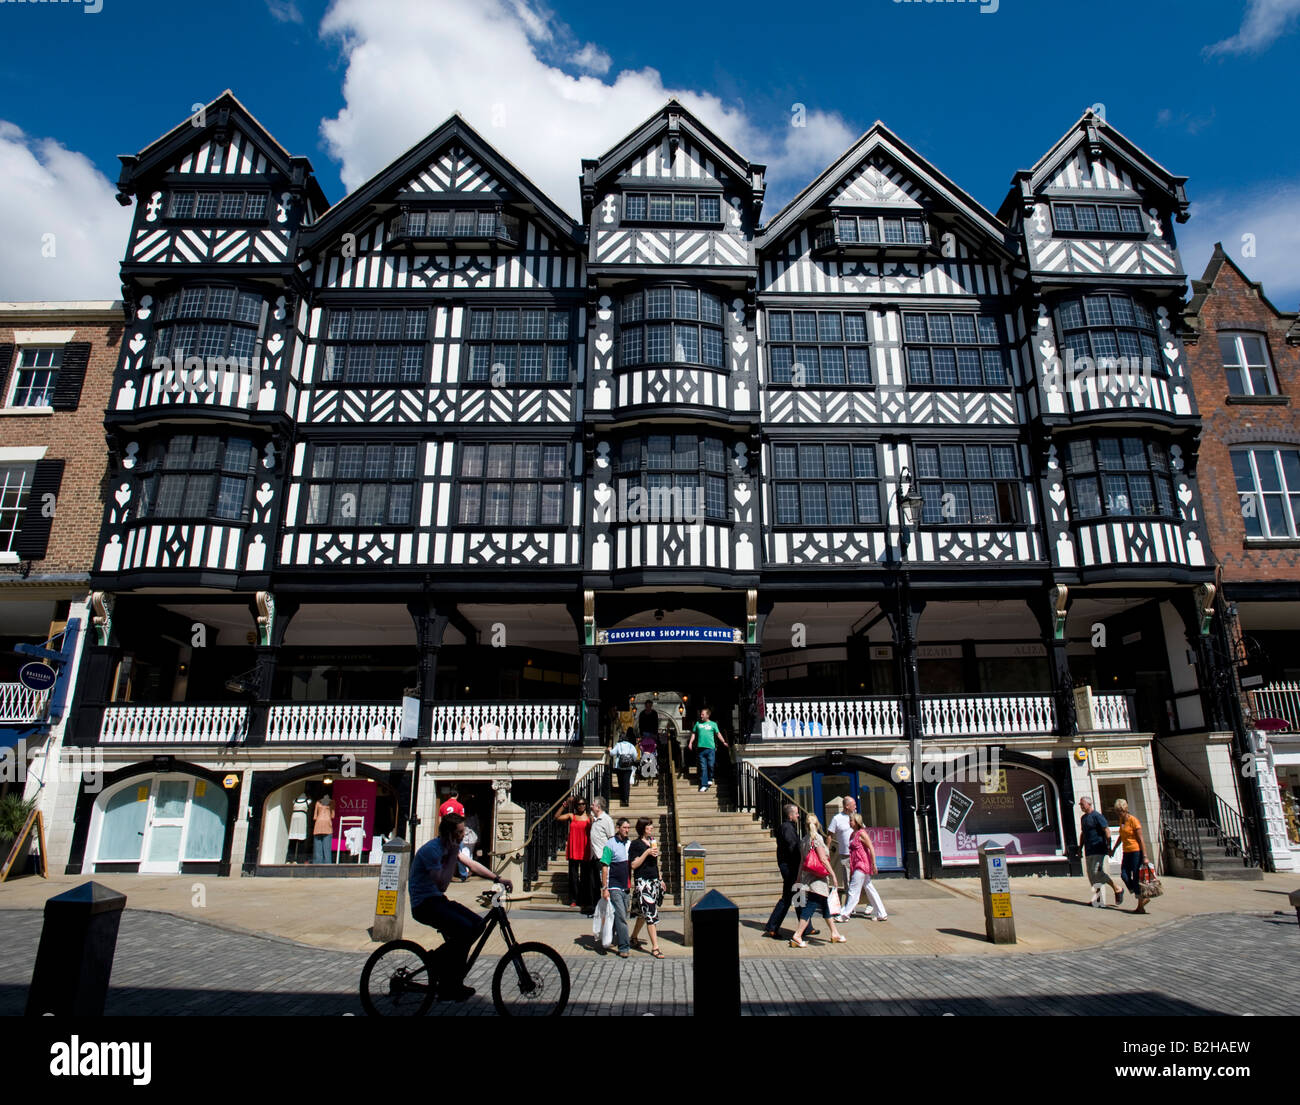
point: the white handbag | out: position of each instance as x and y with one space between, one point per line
602 922
833 902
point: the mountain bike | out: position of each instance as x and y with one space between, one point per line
530 980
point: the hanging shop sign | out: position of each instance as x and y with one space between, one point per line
670 634
1016 809
37 676
230 782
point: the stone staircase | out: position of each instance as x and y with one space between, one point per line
1217 863
649 799
740 859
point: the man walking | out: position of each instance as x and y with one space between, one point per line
841 829
705 733
616 880
602 828
623 762
789 857
1094 833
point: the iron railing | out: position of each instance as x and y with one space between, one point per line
21 704
547 837
1232 833
1179 829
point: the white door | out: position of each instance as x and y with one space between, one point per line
164 835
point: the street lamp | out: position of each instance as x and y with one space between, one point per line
910 505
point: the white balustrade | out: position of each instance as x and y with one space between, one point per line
1110 713
173 724
971 715
21 704
338 723
505 722
1279 700
991 715
833 719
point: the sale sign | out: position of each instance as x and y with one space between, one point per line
354 806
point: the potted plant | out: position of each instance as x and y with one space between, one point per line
14 812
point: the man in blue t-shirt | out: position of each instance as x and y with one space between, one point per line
432 870
1094 834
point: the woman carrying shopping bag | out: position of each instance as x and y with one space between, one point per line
818 880
1130 839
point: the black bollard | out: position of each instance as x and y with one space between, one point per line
75 956
716 924
1295 901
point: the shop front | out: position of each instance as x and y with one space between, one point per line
1012 806
821 784
159 823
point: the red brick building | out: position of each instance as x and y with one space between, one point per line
1244 360
56 367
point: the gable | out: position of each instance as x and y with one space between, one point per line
1102 174
877 183
239 156
456 171
658 161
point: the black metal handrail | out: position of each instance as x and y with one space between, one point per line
547 836
1232 833
752 791
1178 828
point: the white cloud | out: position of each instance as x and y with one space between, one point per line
411 64
592 59
1264 222
54 201
284 11
1265 22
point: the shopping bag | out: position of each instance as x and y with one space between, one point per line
833 901
602 922
1149 882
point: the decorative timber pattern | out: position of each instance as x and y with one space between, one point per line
238 157
454 171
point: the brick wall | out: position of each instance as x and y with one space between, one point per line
75 436
1231 301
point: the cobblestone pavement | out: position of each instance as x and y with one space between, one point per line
1213 964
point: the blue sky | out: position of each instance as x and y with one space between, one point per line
1204 86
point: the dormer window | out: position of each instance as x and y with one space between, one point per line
672 207
1098 218
889 229
461 226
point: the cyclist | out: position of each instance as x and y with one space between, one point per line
432 870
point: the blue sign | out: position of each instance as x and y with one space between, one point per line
36 677
669 634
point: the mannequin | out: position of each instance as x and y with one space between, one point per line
298 824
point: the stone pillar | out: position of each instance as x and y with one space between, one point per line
509 829
904 613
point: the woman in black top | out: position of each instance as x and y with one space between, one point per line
644 858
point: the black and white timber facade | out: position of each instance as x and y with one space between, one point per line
459 438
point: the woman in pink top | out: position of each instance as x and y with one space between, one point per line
862 865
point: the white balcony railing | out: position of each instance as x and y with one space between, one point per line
987 715
962 715
833 718
1279 700
21 705
505 722
173 724
1111 714
340 723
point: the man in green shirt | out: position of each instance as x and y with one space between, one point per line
705 733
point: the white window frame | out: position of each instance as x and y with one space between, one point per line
1257 493
1243 367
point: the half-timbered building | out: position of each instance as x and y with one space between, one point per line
425 487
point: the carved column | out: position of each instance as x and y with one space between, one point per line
430 625
904 613
751 700
1050 613
271 617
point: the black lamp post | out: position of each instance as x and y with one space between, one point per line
910 503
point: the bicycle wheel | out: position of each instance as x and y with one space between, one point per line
530 981
397 981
